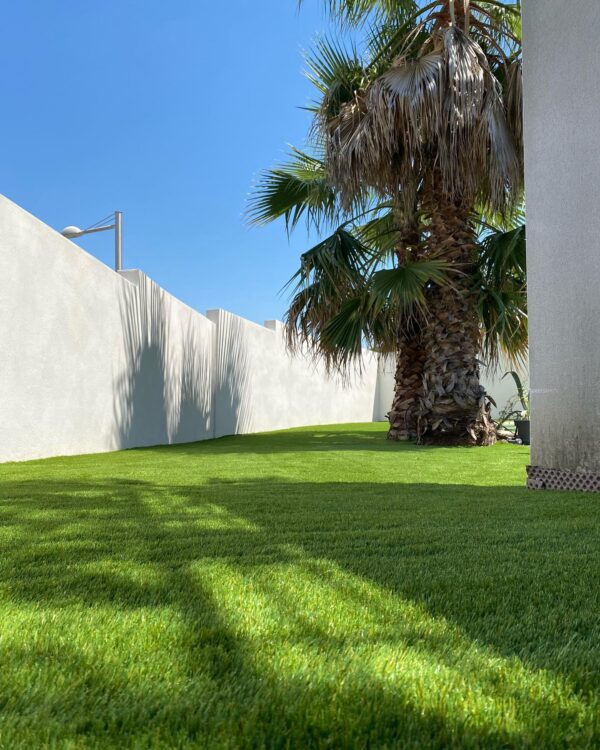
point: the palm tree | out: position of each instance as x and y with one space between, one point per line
344 293
431 121
426 125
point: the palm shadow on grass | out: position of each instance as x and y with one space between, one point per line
293 599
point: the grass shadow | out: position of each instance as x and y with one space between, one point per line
265 612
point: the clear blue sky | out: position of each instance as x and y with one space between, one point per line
166 110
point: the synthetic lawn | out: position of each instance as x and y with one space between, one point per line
316 588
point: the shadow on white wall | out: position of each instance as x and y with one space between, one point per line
162 394
233 403
96 361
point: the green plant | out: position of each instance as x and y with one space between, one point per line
522 398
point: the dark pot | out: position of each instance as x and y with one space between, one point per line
523 426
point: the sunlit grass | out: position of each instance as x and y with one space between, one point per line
312 588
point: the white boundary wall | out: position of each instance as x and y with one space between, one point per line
93 361
259 387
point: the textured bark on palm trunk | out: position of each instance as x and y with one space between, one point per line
454 408
408 389
410 355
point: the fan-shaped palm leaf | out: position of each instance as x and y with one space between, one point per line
502 294
356 12
295 190
405 286
336 72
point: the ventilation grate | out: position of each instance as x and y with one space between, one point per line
539 478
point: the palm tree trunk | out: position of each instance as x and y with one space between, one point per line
410 354
454 408
408 390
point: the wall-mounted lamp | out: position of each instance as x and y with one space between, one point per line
72 233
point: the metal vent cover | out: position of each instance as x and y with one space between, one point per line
540 478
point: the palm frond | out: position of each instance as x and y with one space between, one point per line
503 315
504 257
513 97
357 12
342 336
337 73
502 295
381 233
504 22
295 190
446 100
405 286
330 273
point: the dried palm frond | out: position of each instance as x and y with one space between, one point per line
442 109
513 98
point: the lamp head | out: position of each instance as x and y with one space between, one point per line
71 232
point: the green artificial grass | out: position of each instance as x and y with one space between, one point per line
315 588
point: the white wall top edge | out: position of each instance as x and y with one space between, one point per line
55 234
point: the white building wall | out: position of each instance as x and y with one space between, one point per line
562 169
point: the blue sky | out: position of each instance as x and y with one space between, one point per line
165 110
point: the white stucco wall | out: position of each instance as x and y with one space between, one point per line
562 168
164 390
89 360
259 386
94 361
